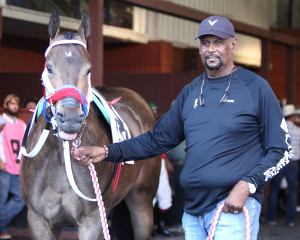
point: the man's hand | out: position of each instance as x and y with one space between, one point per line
90 154
2 166
237 198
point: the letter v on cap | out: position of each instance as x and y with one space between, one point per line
212 23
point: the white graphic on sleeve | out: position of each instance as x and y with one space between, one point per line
287 156
229 100
212 23
196 103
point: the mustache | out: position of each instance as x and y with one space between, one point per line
212 55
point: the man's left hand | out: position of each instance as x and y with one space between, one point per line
237 198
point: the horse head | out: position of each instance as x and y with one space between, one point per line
66 77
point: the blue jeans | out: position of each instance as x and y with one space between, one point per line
9 207
290 171
230 226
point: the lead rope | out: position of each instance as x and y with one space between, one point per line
216 219
100 202
76 144
95 185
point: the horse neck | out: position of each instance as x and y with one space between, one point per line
97 130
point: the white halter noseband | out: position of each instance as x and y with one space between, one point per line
64 41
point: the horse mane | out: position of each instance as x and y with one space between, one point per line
69 35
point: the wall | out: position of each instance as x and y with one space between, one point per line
20 54
23 84
297 84
161 89
21 64
278 69
255 12
154 57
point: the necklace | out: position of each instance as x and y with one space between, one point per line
226 91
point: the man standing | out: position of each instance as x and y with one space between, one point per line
11 137
236 140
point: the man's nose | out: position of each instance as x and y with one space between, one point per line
211 47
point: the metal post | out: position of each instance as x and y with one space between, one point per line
95 42
265 59
291 75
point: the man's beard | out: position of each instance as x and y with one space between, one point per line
218 66
14 114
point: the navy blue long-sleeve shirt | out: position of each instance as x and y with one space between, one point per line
243 138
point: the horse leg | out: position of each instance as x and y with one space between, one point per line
40 228
90 227
141 212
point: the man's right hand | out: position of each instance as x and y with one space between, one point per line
90 154
2 166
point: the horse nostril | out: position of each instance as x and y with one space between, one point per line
60 117
81 117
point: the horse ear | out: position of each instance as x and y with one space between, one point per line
85 26
54 25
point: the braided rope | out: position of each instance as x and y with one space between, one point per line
100 202
215 222
216 219
93 174
248 223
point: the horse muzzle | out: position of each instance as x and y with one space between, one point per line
69 117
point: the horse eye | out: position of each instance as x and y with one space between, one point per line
49 69
89 71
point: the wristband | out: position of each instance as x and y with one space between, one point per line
105 150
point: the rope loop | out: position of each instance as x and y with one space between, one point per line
216 219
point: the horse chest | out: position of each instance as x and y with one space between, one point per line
56 206
51 194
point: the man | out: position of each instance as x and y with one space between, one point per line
290 173
11 137
236 139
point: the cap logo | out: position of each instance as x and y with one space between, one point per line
212 23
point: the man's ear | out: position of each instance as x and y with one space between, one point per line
234 45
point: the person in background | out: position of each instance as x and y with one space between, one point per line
177 157
11 202
290 172
297 117
30 103
236 140
2 123
2 154
297 122
163 196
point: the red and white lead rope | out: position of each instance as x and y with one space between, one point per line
216 219
95 185
100 202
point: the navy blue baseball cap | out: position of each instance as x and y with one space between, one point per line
217 26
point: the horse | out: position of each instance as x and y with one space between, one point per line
52 203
